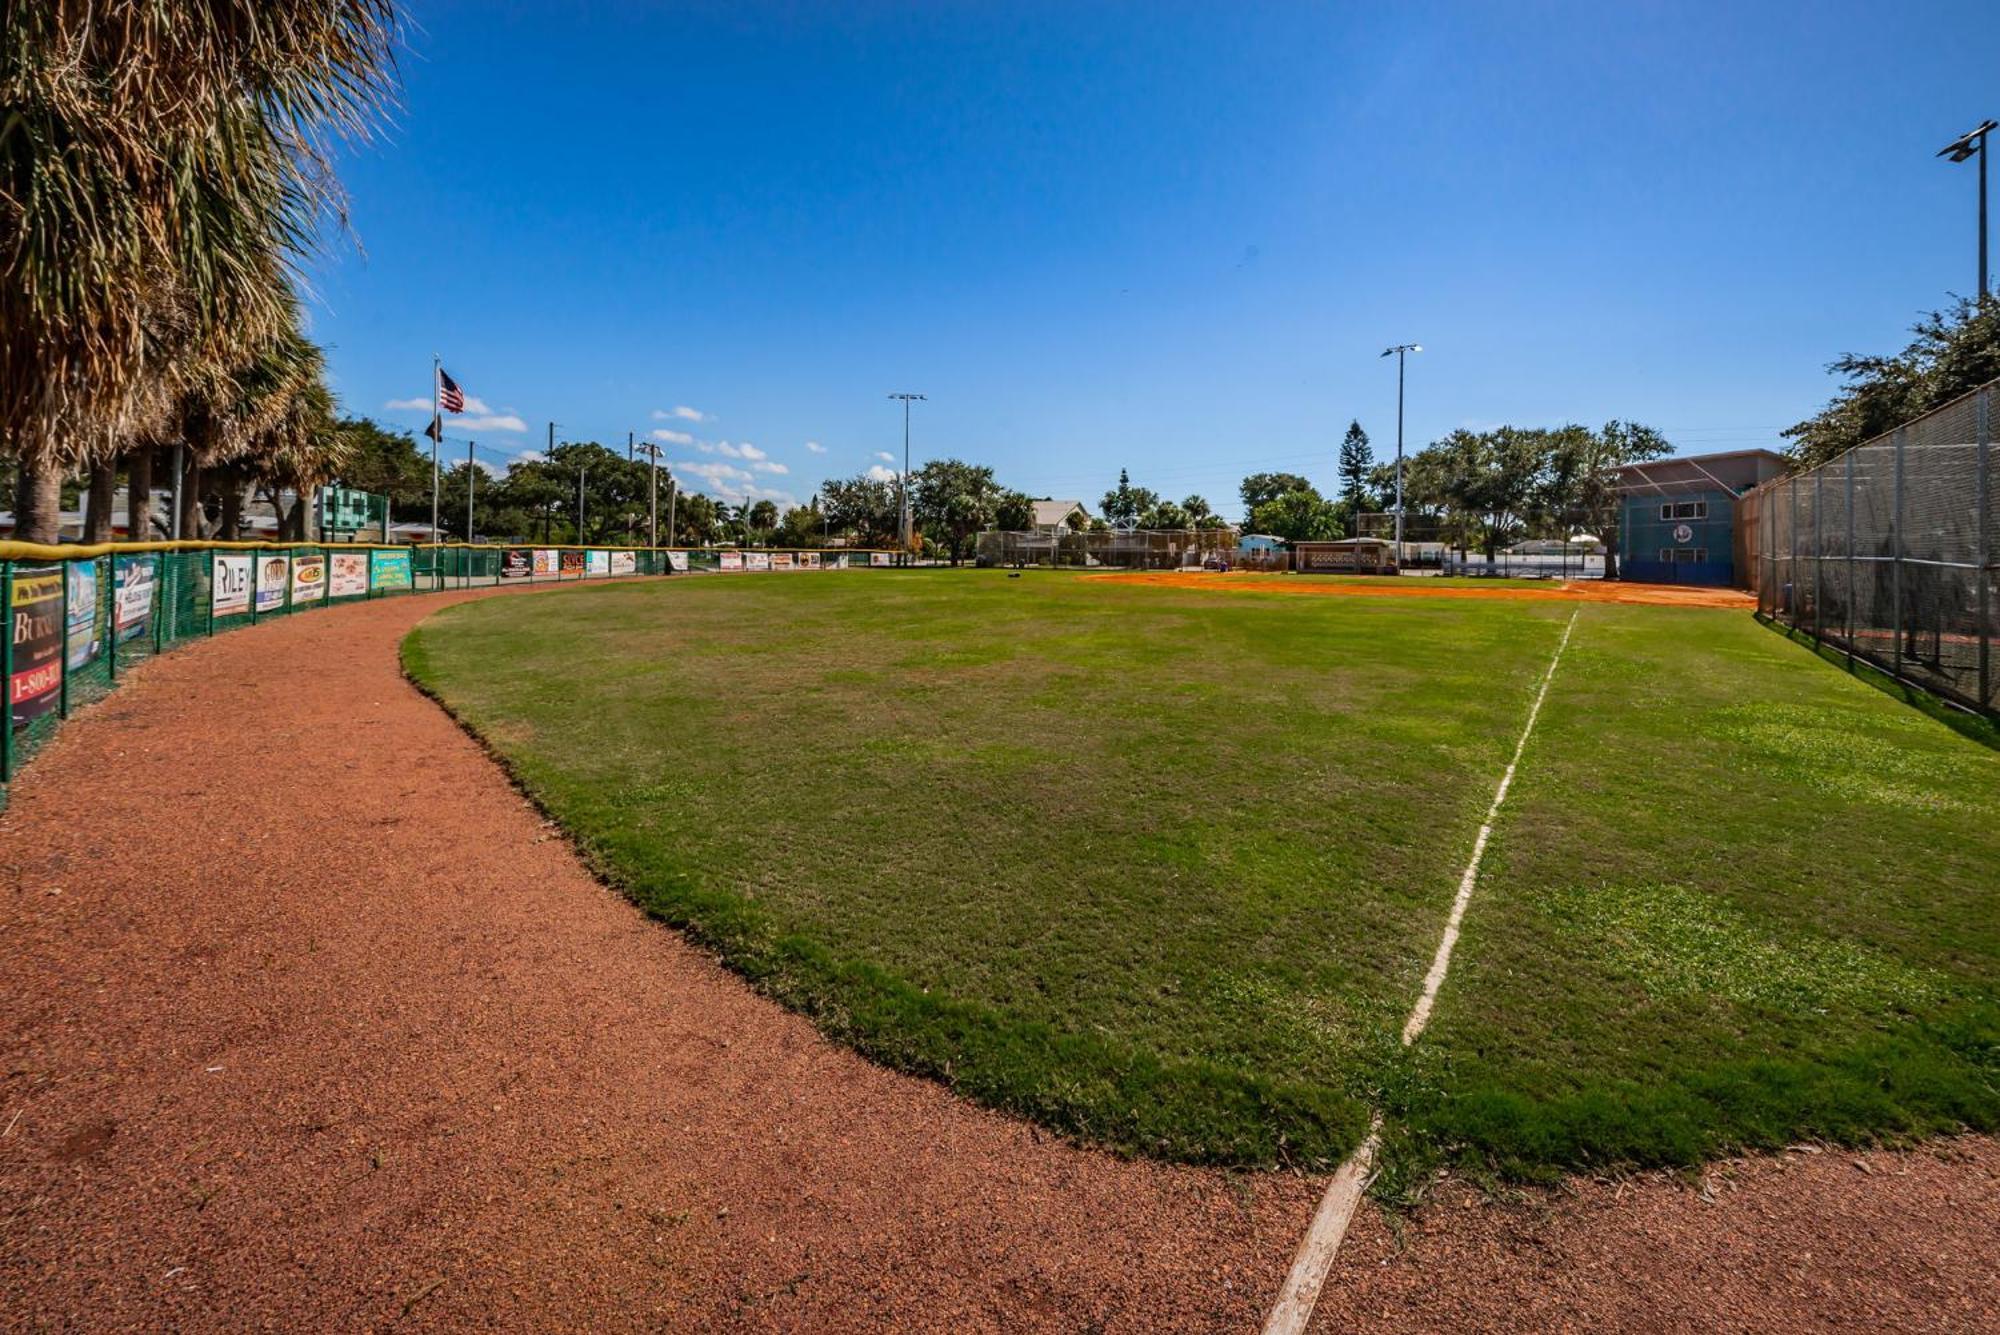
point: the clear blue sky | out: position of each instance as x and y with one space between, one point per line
1170 237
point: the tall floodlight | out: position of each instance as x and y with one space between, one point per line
1972 144
1400 351
903 482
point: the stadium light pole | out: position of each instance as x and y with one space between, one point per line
653 494
1400 351
1973 144
903 482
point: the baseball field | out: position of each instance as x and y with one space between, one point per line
1165 868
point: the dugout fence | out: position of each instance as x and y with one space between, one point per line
79 618
1887 552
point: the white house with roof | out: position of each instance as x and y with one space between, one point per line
1055 518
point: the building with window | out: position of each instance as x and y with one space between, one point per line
1677 517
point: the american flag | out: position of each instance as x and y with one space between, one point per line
450 397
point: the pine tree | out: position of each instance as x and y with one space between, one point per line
1356 458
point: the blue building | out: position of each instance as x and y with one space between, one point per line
1677 517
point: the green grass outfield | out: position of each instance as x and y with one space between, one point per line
1163 869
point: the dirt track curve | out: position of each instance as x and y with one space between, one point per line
311 1023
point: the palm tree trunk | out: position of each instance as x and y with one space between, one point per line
191 502
232 512
98 521
38 503
139 496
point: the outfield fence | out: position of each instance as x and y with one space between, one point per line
1887 552
80 618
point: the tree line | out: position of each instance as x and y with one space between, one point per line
164 171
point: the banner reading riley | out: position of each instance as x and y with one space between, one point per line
38 641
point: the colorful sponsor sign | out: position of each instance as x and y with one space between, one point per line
878 558
572 563
731 560
517 563
274 572
677 561
350 574
809 560
308 579
624 563
756 560
37 633
229 589
546 562
136 577
82 634
781 560
389 570
597 562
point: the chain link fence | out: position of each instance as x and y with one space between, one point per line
79 621
1108 549
1887 552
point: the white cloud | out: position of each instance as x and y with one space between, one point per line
407 406
768 466
672 437
680 412
815 447
752 452
885 456
487 422
881 474
716 475
744 451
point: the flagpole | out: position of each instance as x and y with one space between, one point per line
437 426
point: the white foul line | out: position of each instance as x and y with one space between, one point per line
1343 1194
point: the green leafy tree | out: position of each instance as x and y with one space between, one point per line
863 508
1953 352
952 501
1014 512
1127 503
1298 515
1259 488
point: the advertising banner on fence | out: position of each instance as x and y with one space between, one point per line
572 563
37 634
809 560
229 594
878 558
389 570
82 635
624 563
350 574
731 560
781 560
545 561
308 579
274 571
677 561
838 562
756 560
597 562
516 563
133 604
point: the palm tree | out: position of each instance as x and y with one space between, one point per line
162 167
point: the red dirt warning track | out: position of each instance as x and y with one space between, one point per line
310 1022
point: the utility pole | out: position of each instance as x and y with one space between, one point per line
579 502
673 501
903 482
471 471
1400 350
1973 144
653 502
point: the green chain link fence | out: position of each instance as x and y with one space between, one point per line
77 623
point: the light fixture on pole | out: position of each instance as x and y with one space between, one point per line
903 482
653 494
1399 352
1973 144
